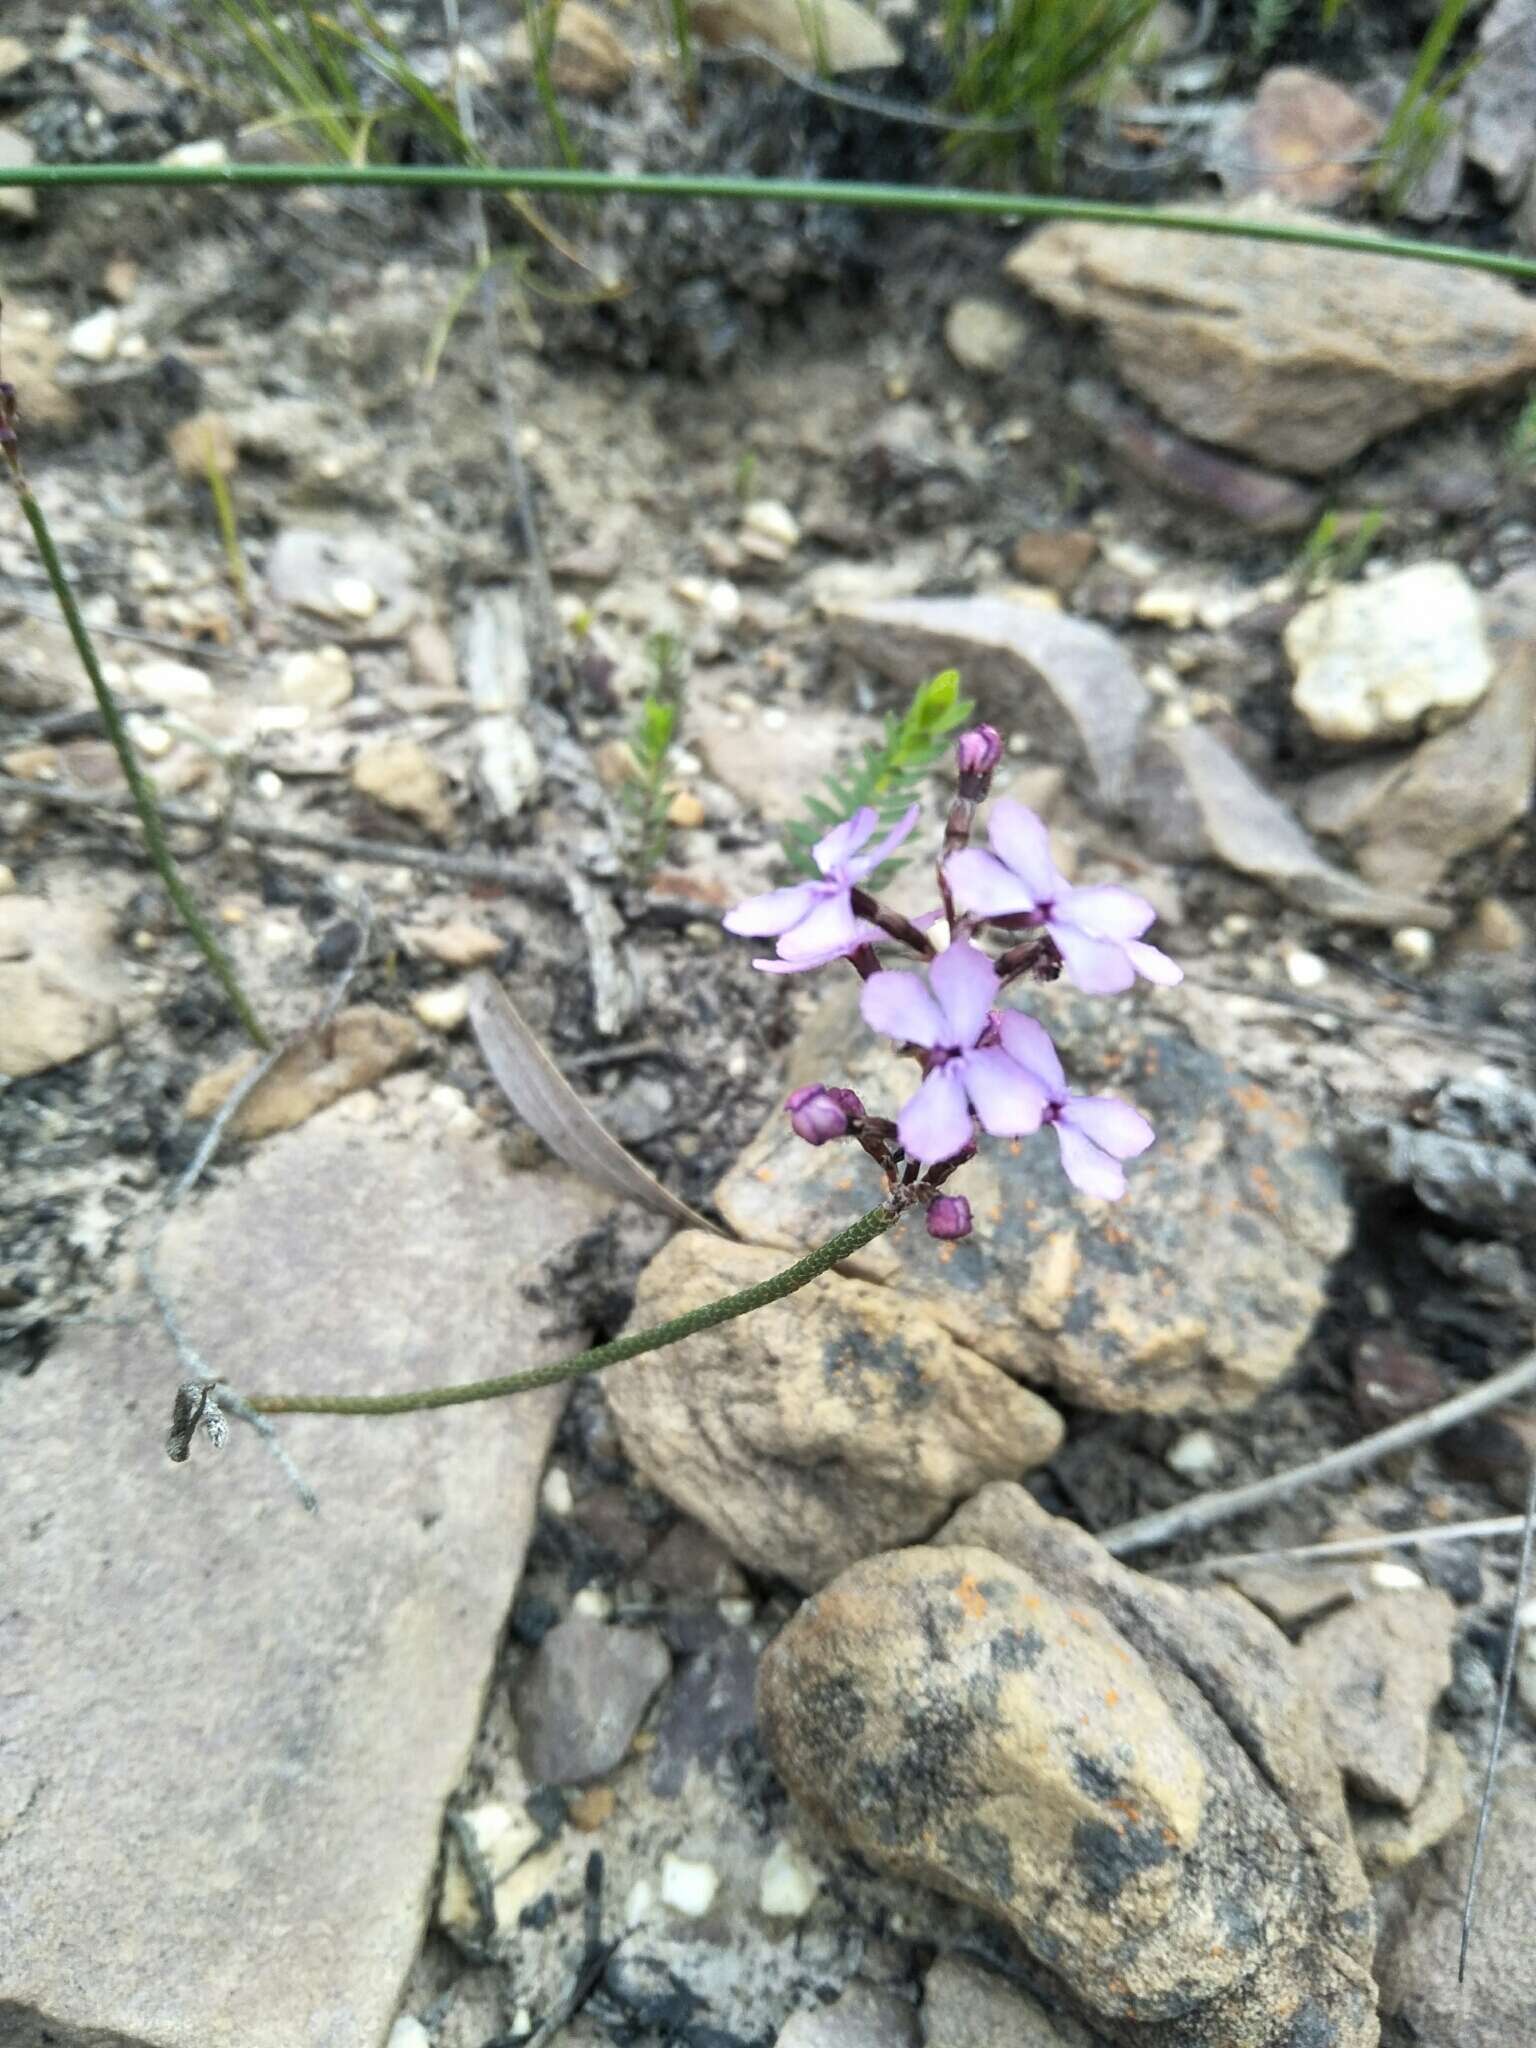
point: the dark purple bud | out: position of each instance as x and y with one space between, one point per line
949 1216
816 1115
848 1103
978 751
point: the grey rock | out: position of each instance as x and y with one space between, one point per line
1304 139
1197 1293
1194 800
60 983
712 1703
306 565
583 1696
210 1698
828 1425
1377 1670
1389 1841
1286 354
1473 1159
965 2006
984 337
912 470
866 2016
1064 681
1384 660
1496 2008
689 1561
1501 97
495 668
1130 1778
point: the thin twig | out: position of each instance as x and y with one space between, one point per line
1356 1546
1206 1510
1495 1037
540 883
1506 1687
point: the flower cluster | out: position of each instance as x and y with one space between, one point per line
983 1064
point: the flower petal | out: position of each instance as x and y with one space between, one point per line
965 982
1021 842
866 863
764 917
1106 912
936 1123
900 1006
982 885
1089 1169
1008 1099
828 927
864 935
1100 967
1026 1040
836 846
1152 964
1112 1125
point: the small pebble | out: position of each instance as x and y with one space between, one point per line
443 1009
172 682
1414 946
208 154
688 1887
772 521
408 2032
775 718
555 1494
640 1902
267 784
1195 1456
591 1808
355 596
686 810
788 1886
320 678
1304 969
151 739
736 1613
7 879
94 339
522 2024
593 1603
1387 1577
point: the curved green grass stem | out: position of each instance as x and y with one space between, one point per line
1007 206
144 799
657 1338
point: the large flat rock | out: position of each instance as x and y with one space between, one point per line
228 1729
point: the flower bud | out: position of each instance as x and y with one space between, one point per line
978 751
949 1216
816 1115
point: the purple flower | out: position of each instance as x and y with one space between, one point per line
1095 1132
1096 931
814 922
961 1073
949 1216
820 1114
978 751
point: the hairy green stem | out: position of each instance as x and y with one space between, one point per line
145 801
1008 206
811 1267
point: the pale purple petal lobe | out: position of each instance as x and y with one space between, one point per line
1026 1040
1106 912
1100 967
764 917
983 886
844 840
1153 965
1089 1169
965 982
1112 1125
899 1006
828 927
1021 842
1009 1100
936 1123
866 863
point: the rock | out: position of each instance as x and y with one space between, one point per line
1060 560
359 1046
356 580
1130 1778
688 1561
275 1708
207 153
1387 659
207 437
95 338
1064 682
461 943
494 663
173 685
841 36
1201 1301
1257 498
688 1886
1419 1990
1494 927
711 1706
1501 97
1377 1670
965 2006
443 1009
686 811
402 776
1304 138
583 1697
14 56
1407 819
586 57
60 985
1194 800
1221 335
319 678
823 1428
17 202
1470 1154
789 1884
32 357
767 524
866 2016
500 1839
984 337
913 469
1389 1841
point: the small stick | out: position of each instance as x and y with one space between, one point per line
1206 1510
1360 1546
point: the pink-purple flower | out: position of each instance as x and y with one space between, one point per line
963 1074
814 922
1095 1132
1097 931
819 1114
